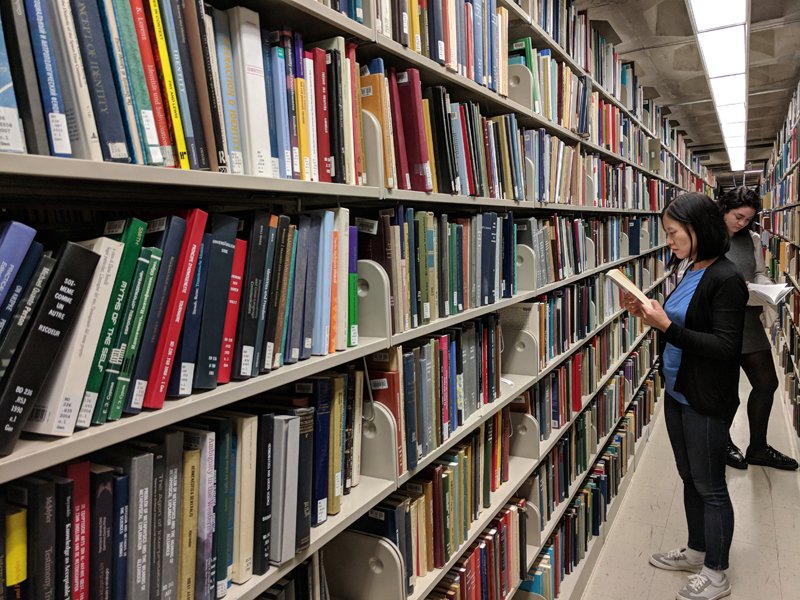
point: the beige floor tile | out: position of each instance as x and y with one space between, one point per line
755 572
787 526
647 504
656 472
789 564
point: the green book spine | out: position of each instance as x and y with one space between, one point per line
118 350
132 349
289 302
130 233
422 269
145 121
448 514
352 289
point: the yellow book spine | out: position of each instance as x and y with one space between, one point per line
414 37
335 453
426 118
190 489
16 545
302 128
169 85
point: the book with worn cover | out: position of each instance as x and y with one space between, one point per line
21 280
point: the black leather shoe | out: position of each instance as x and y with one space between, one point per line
735 458
769 457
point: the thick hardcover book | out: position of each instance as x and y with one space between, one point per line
400 150
278 93
266 56
280 265
268 280
410 96
352 288
100 77
37 495
22 278
187 531
58 406
256 228
78 472
262 524
164 354
323 137
49 77
15 560
77 101
232 312
309 311
234 141
166 234
58 312
15 240
162 122
26 86
218 283
334 61
138 465
182 376
322 315
284 39
119 535
63 515
101 555
131 233
286 441
295 339
202 50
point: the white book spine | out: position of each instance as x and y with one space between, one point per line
311 111
77 102
349 126
286 452
245 505
249 68
341 224
57 409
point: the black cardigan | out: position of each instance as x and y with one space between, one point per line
711 341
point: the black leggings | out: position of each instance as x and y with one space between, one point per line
760 371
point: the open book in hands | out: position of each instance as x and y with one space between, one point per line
772 293
621 280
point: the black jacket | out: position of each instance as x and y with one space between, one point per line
711 341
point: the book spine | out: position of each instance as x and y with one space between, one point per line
322 117
263 499
64 538
352 297
294 341
232 312
283 150
102 519
190 491
78 472
168 337
49 79
161 56
228 90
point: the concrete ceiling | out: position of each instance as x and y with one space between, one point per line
657 35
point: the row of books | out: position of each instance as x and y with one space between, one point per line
784 148
676 143
441 265
431 144
187 511
433 385
588 511
307 581
430 516
786 339
467 38
786 224
494 564
104 320
783 191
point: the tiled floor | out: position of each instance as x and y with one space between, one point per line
765 556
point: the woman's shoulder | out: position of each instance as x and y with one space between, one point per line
723 267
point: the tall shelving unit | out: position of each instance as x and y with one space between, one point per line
40 180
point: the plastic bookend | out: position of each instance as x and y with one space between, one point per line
363 567
590 254
529 177
378 452
520 86
373 149
624 245
373 301
526 268
525 438
518 356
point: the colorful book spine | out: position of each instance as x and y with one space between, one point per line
232 313
228 90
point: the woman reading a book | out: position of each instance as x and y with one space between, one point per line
739 207
701 324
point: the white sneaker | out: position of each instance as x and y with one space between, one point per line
674 560
700 587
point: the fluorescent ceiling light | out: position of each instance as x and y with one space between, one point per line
710 14
728 90
723 51
732 113
734 142
736 156
733 130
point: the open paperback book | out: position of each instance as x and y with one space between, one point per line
772 293
622 281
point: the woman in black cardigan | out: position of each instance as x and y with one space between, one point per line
701 336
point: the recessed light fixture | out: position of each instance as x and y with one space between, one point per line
732 113
728 90
713 14
723 50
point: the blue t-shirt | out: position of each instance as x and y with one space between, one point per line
675 308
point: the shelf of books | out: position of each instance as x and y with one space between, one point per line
321 285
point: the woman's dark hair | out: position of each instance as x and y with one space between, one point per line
699 212
739 197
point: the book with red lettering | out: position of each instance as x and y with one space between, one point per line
401 158
323 123
232 313
78 472
409 90
164 356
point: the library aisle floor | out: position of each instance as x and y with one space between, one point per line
765 556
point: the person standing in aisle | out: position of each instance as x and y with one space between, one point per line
739 207
701 326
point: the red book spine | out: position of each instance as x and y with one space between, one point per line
506 442
470 53
232 313
323 131
490 565
355 92
495 441
401 158
467 153
485 359
577 399
79 473
176 309
410 95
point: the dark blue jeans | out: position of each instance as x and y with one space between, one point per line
699 444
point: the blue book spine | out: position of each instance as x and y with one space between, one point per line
458 144
100 79
15 239
230 101
49 81
178 74
321 397
358 10
322 316
436 31
23 276
279 99
295 333
182 376
119 537
168 238
12 138
273 135
287 316
493 43
267 283
312 270
477 18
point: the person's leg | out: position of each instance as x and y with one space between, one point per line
760 371
691 558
